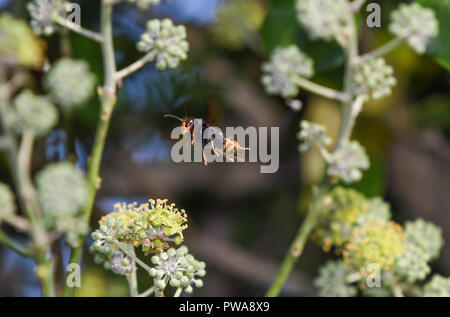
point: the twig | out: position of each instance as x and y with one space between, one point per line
383 50
348 116
108 101
127 71
15 245
79 29
178 292
321 90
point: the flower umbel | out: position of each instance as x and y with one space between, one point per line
415 23
70 83
34 112
348 161
332 280
62 189
165 42
281 73
310 134
44 13
374 78
177 268
324 19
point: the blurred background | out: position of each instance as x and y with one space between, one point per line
241 222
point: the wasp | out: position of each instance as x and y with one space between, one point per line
231 149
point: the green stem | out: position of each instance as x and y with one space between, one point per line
297 246
15 245
383 50
321 90
108 101
132 284
349 112
178 292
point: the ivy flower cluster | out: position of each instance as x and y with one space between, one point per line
374 78
44 14
34 112
70 83
62 191
286 66
418 25
152 227
165 43
348 162
344 210
310 134
324 19
177 268
361 230
345 164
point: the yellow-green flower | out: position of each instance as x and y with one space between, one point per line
376 242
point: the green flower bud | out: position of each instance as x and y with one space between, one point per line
374 79
310 134
44 13
426 236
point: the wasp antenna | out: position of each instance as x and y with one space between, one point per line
172 116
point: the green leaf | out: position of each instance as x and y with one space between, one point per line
440 46
282 28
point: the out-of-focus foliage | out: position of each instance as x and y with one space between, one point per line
18 43
238 22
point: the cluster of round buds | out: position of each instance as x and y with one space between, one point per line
144 4
7 204
324 19
425 236
416 24
342 211
376 242
439 286
70 83
165 42
45 12
347 162
286 66
62 189
412 264
34 112
106 245
177 268
332 280
153 225
310 134
374 78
